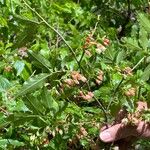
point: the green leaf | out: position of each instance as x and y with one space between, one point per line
3 22
20 106
34 104
120 56
132 43
3 121
144 22
46 98
42 61
15 143
146 73
33 84
19 66
16 106
4 84
48 101
92 110
143 38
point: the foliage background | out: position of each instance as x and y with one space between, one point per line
42 42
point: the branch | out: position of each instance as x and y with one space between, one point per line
103 108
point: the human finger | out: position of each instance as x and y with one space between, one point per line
117 132
143 129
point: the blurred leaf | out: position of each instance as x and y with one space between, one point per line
3 22
146 73
143 38
144 21
15 143
20 106
19 66
121 55
4 84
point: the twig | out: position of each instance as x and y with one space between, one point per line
56 31
103 108
4 111
138 63
118 85
82 56
98 18
139 92
114 93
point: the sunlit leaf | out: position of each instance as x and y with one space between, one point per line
19 66
4 84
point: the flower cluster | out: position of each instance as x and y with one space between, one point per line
99 78
75 79
136 117
127 72
22 52
82 133
88 96
90 41
130 92
8 69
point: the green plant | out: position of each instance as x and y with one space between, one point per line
66 70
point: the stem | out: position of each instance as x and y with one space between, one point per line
118 85
98 18
138 63
129 8
56 31
115 91
81 56
139 92
103 108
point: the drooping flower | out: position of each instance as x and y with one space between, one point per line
8 68
99 77
100 48
88 53
130 92
127 71
87 96
69 82
77 76
106 42
23 52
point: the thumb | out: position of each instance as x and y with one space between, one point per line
117 132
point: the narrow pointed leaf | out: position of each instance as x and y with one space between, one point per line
33 84
40 60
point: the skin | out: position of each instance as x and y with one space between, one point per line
125 135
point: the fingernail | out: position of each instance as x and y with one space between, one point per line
105 136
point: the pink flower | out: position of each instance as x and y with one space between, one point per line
70 82
100 48
87 96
